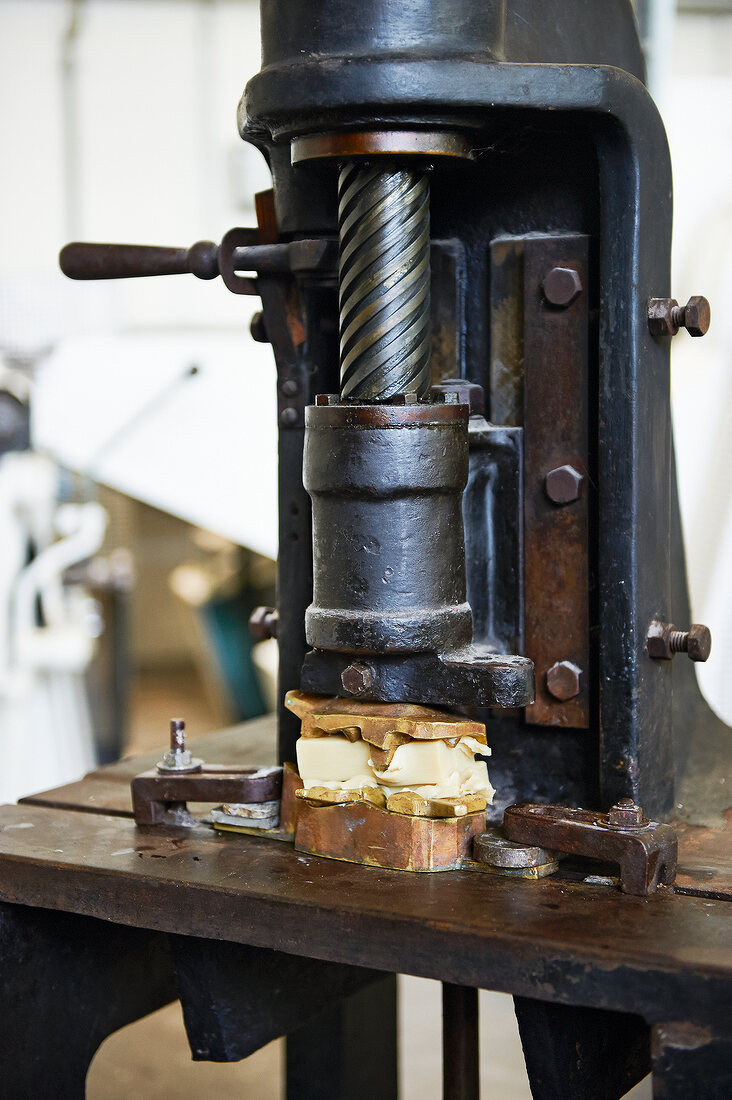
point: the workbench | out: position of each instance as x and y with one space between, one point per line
103 922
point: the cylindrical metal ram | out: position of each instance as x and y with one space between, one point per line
386 485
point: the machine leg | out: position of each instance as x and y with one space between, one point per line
460 1049
68 983
349 1050
689 1061
576 1053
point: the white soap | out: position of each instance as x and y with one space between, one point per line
324 760
420 762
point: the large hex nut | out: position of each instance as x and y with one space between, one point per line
699 642
561 286
662 316
697 316
658 641
357 678
563 485
468 393
563 680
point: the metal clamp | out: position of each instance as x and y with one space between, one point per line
645 850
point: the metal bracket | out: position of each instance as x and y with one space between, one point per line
645 850
160 799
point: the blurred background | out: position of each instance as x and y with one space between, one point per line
138 418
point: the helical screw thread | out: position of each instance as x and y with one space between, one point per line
384 275
678 641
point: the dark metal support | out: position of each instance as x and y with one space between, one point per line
691 1061
237 998
69 982
349 1051
460 1048
574 1053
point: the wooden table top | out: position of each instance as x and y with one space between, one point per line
78 849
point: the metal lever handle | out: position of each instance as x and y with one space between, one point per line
81 260
239 251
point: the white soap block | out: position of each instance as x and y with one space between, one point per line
324 760
421 762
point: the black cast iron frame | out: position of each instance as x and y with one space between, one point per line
633 430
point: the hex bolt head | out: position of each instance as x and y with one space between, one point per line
696 316
468 393
563 680
561 286
357 678
699 642
563 485
625 815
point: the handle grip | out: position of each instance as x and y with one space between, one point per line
82 260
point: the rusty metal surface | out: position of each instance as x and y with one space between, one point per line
705 854
377 720
506 391
645 850
365 143
160 798
359 832
705 859
107 790
556 546
552 938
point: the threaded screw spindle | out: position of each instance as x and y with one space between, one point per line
384 273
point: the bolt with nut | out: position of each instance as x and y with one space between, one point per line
178 758
666 316
664 641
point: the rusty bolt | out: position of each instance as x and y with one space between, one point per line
178 758
263 623
357 678
625 815
563 485
696 642
561 286
327 399
404 398
664 641
258 329
468 393
177 735
666 316
563 680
